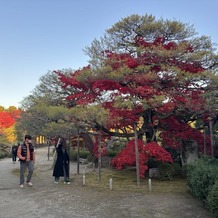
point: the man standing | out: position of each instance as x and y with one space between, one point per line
26 157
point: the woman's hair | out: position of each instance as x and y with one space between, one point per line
63 142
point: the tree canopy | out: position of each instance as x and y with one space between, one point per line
159 70
45 111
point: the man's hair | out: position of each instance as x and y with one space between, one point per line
28 137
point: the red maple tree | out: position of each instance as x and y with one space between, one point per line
162 78
127 156
6 120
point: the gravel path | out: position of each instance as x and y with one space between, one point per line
48 200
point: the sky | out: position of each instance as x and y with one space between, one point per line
38 36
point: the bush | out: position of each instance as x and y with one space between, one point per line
183 173
177 169
166 171
82 154
112 153
2 154
4 151
212 200
201 176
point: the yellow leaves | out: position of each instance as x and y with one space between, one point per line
2 108
10 134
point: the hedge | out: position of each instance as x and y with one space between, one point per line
202 178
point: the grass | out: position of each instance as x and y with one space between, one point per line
125 180
16 171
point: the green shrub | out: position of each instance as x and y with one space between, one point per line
212 200
73 155
177 169
201 176
4 151
166 171
82 154
112 153
3 154
183 173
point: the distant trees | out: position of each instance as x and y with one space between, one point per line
8 119
46 112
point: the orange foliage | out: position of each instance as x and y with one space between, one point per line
10 134
7 121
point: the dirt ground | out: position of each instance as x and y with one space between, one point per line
48 200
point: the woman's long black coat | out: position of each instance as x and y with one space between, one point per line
61 162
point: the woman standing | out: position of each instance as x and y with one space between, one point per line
61 168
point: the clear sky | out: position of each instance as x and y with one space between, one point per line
37 36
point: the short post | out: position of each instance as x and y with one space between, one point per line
99 157
111 183
84 177
149 185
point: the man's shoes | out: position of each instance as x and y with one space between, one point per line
56 182
21 186
30 184
67 182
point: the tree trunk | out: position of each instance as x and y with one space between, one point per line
137 156
87 141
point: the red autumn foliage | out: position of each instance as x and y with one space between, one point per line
175 133
150 77
127 156
6 120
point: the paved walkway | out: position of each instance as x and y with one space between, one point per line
48 200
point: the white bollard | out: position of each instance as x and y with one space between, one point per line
111 183
84 179
84 171
149 185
